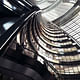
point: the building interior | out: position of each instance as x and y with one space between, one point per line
39 40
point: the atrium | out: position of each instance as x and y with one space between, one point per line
39 40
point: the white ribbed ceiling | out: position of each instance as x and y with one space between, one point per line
53 9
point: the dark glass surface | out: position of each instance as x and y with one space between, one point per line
6 23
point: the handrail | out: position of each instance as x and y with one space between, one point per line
10 34
53 5
41 1
9 8
26 2
20 6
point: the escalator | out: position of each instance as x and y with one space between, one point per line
15 64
